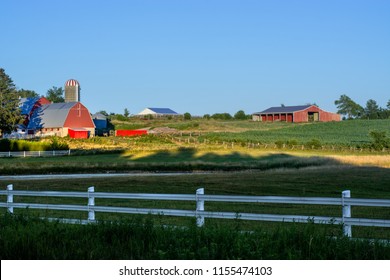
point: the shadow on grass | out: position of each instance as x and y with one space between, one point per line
180 160
192 157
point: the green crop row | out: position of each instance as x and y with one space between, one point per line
346 133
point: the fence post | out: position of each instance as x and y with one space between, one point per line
91 202
199 207
10 199
347 229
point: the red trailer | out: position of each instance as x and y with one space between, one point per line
127 132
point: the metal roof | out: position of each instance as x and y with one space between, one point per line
163 111
284 109
50 115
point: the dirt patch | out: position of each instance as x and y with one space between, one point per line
162 130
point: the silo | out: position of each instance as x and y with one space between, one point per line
72 91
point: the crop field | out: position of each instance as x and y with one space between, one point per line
346 133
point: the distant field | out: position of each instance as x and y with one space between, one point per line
346 133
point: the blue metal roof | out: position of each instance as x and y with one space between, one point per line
284 109
163 111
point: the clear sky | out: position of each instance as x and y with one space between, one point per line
200 56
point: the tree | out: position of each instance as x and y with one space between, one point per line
55 95
27 93
104 113
187 116
240 115
222 116
372 110
346 106
126 113
9 104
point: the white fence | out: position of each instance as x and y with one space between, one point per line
345 202
52 153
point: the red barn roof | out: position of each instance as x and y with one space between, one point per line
54 115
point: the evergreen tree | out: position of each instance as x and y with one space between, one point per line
27 93
126 113
9 104
372 110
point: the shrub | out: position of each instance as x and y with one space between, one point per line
379 140
57 144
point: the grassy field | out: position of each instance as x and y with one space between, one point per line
325 181
236 169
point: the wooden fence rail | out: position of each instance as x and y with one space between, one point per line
345 202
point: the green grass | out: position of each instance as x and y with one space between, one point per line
364 182
182 159
262 172
345 133
26 237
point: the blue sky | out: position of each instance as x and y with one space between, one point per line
200 56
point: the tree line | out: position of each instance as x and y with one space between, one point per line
10 114
352 110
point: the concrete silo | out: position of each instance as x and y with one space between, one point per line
72 91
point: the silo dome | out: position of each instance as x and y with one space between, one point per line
72 83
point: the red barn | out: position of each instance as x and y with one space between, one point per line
297 114
62 119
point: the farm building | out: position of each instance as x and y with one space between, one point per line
100 121
61 119
28 105
157 112
296 114
44 118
